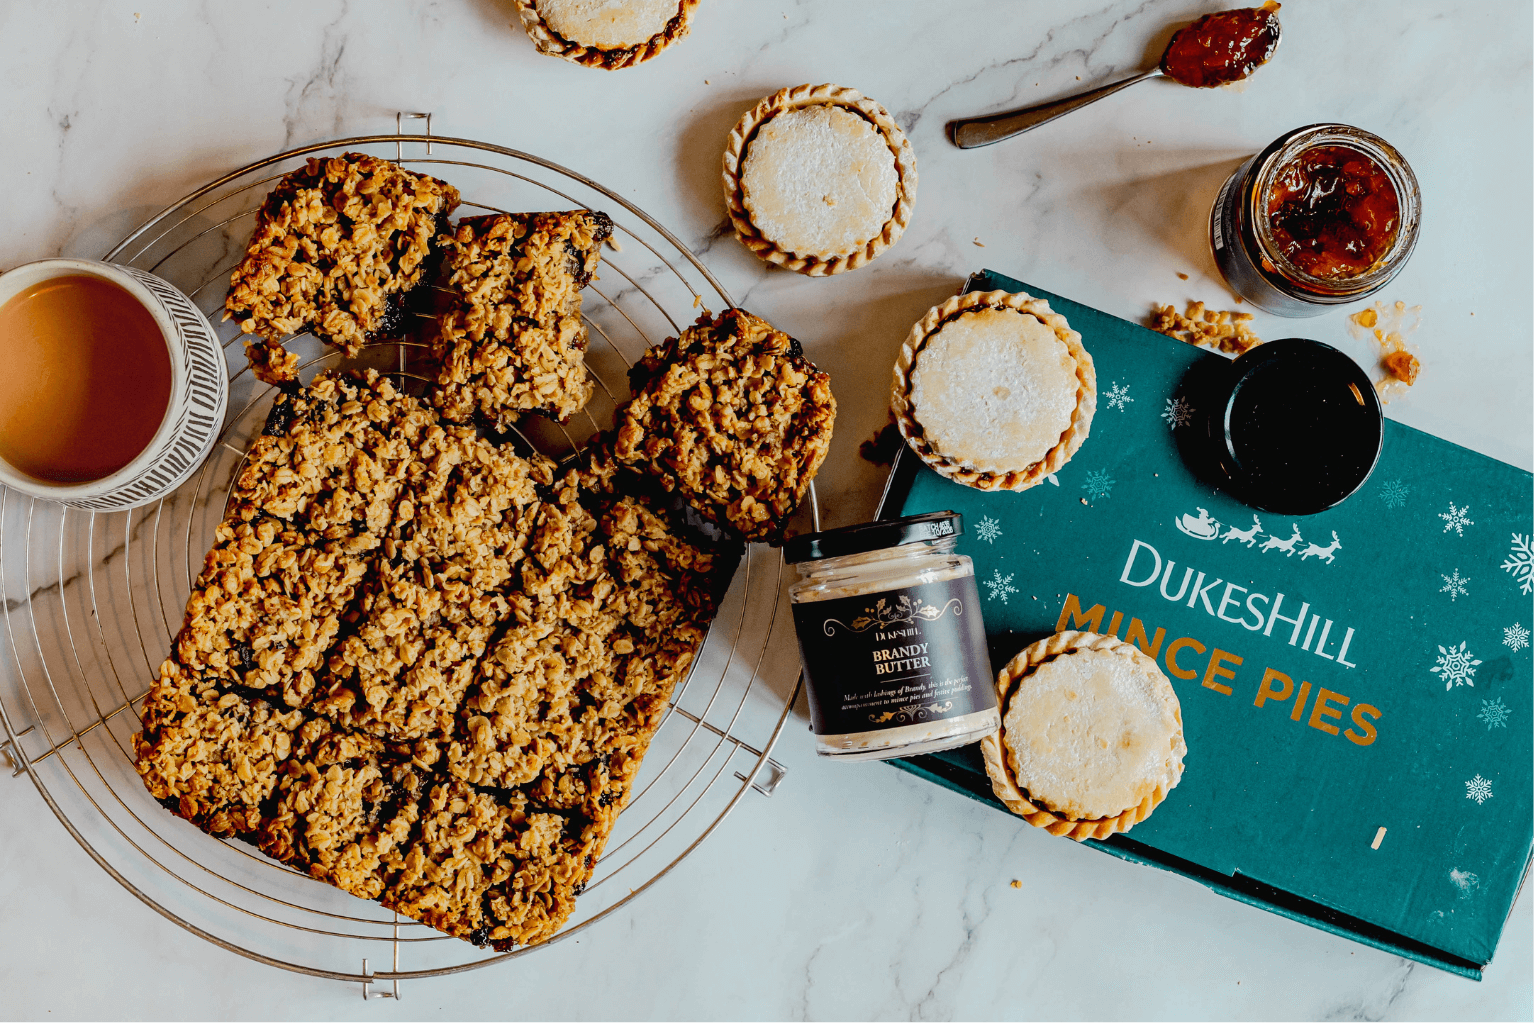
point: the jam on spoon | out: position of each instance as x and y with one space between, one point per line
1223 48
1217 49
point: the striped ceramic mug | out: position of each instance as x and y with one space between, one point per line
194 414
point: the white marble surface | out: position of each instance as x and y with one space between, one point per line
855 891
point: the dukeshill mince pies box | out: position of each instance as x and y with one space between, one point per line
1356 685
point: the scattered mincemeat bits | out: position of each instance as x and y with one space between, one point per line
1402 365
1387 325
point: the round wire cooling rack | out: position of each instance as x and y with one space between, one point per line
93 600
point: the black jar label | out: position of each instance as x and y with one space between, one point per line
895 658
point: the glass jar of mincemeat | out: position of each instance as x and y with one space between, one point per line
1326 214
891 638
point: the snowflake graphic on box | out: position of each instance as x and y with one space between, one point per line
1479 789
1516 637
1494 714
1098 484
1518 564
1177 413
1455 584
1456 666
989 529
1119 396
1394 494
999 586
1456 519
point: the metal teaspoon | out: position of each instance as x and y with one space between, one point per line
1236 56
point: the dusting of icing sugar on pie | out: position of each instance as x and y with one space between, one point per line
819 181
607 24
994 389
1091 734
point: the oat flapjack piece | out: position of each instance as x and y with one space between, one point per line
403 667
1091 739
334 457
468 523
588 671
209 755
994 390
267 607
341 809
492 867
731 416
498 868
337 247
512 340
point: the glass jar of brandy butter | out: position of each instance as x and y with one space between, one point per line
1325 215
891 639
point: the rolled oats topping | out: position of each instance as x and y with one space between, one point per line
333 457
734 418
403 672
423 668
341 811
593 668
513 340
337 246
267 606
209 755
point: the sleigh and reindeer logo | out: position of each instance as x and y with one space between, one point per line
1205 527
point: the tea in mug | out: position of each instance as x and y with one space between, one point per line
85 379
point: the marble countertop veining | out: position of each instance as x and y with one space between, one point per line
855 891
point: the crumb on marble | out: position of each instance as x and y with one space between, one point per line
1388 327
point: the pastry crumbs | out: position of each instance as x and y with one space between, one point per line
1226 331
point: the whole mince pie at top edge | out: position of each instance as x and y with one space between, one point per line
1092 740
994 390
607 34
819 179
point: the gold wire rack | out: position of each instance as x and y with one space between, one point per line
92 602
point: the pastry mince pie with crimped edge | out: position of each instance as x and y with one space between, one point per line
608 34
1092 739
819 179
994 390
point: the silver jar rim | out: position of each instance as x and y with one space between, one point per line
1291 145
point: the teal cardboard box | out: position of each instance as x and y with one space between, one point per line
1356 685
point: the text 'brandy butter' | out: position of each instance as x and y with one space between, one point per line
891 638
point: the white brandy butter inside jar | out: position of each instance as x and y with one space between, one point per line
891 638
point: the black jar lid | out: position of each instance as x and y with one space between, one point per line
883 533
1296 426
